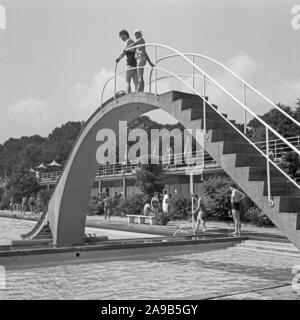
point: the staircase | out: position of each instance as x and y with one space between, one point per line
242 162
45 233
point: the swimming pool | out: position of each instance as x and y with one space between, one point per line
184 276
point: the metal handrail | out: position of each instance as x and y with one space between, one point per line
246 84
205 77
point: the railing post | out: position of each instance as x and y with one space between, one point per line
115 82
193 73
204 104
155 54
275 146
245 111
270 200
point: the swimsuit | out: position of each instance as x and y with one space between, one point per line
140 55
130 55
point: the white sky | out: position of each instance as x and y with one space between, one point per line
55 55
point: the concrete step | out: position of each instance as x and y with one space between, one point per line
221 135
210 115
281 188
289 204
176 95
260 174
196 104
238 147
246 160
213 125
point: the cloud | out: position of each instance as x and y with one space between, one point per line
87 97
26 117
288 92
243 65
34 111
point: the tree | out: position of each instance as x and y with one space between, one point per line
217 197
279 122
22 184
148 179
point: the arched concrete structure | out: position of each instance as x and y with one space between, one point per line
239 159
68 205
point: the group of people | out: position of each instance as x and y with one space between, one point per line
136 59
199 213
31 204
157 203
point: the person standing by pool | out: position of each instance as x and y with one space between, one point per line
141 58
155 203
131 72
236 197
200 211
31 203
39 204
165 202
107 206
11 203
24 205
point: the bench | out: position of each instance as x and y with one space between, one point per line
141 219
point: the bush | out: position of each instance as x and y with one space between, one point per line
45 195
257 218
148 179
133 204
180 207
217 198
163 218
94 207
4 204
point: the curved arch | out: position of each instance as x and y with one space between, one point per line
67 207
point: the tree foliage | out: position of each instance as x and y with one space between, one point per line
148 179
279 122
22 184
27 152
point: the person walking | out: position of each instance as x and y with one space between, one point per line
236 197
24 205
200 211
141 57
131 71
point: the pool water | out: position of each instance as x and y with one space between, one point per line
185 276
